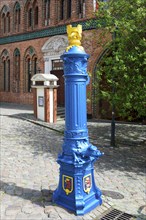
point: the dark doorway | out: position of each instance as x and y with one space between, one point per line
60 90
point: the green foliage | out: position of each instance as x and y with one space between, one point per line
123 68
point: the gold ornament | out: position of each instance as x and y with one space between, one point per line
74 36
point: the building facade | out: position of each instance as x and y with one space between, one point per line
32 38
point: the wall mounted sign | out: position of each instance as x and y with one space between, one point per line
40 101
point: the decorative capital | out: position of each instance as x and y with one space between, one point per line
74 36
46 59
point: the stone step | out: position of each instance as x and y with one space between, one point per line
60 113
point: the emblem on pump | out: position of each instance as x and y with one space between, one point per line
87 183
67 184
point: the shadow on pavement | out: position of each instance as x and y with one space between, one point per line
35 196
43 198
127 157
40 197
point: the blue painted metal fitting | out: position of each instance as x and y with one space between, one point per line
77 190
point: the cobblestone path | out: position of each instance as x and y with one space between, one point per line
29 171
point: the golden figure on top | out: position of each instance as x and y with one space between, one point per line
74 36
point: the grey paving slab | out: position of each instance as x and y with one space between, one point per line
29 149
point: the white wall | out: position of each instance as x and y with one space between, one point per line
40 109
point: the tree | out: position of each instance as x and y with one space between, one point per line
124 65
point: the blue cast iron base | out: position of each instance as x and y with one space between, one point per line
77 190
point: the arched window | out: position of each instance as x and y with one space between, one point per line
36 15
31 14
35 64
65 9
68 11
5 19
47 12
28 74
17 17
8 22
62 11
16 74
81 8
4 23
5 79
30 17
30 68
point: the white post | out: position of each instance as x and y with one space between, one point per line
47 65
51 105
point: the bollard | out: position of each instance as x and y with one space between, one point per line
77 190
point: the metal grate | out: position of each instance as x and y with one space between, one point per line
117 215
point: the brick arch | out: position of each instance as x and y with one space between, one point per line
4 54
5 9
28 2
17 5
16 52
34 3
30 51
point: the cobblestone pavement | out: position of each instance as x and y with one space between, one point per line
29 171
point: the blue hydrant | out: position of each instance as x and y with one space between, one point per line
77 190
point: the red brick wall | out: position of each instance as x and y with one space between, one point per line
54 13
90 43
22 46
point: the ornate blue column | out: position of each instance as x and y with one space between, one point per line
77 190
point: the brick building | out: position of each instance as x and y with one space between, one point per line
32 38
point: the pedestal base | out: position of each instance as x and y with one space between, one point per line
77 190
